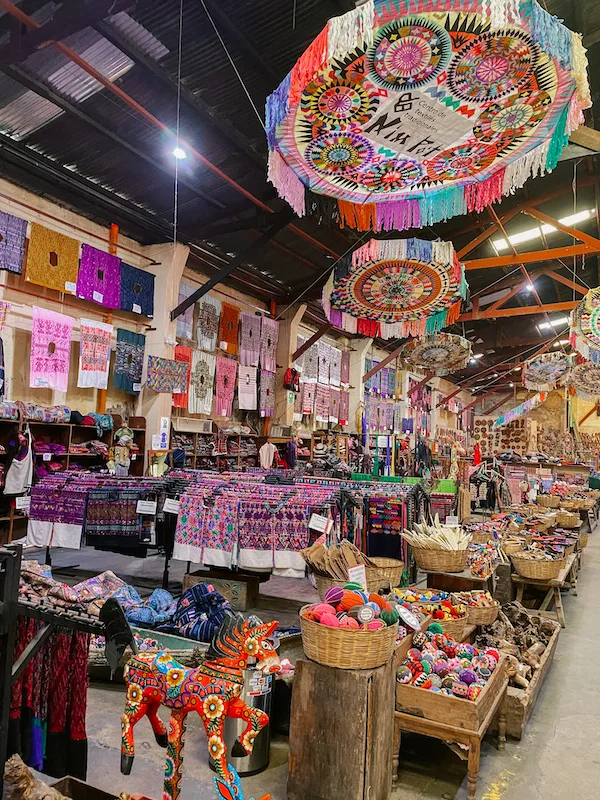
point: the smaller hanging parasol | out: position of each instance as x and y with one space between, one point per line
585 327
394 288
585 378
440 353
546 371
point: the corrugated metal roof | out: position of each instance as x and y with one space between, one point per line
144 41
25 114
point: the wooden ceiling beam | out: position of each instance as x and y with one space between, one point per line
517 312
425 380
534 256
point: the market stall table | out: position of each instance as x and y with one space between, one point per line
566 579
463 581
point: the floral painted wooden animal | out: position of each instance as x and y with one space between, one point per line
213 690
233 790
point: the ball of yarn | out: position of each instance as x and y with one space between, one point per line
389 617
436 680
375 625
333 595
379 600
422 681
414 654
440 640
323 608
403 674
448 682
351 624
330 620
375 607
350 600
419 639
415 667
435 627
427 667
427 657
485 673
493 662
480 661
449 650
474 692
468 676
441 668
402 632
354 586
460 689
493 652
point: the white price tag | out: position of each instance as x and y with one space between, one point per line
156 441
134 456
137 309
171 506
137 387
47 456
451 520
146 507
320 523
70 287
223 345
98 298
23 504
358 574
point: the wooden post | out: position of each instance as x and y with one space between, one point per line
112 249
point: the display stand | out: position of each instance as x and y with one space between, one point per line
463 581
341 733
566 579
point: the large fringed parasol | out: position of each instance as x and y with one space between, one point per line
585 326
440 353
585 379
546 371
396 288
408 112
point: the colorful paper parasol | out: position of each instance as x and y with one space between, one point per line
408 112
544 372
585 378
396 288
585 326
441 353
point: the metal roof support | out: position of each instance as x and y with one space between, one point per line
532 257
309 342
589 413
502 401
394 354
517 312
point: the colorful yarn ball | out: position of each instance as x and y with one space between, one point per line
465 650
485 673
460 689
333 595
435 627
492 652
480 661
436 681
330 620
447 692
466 663
379 601
350 600
349 623
448 682
353 586
468 676
323 608
375 625
435 689
375 607
455 665
414 654
419 639
422 681
389 616
427 667
441 668
415 667
474 692
450 650
493 663
440 640
403 674
402 632
428 657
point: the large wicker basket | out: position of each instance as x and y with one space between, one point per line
483 616
537 570
548 501
511 547
482 538
345 648
583 540
441 560
567 520
386 574
451 627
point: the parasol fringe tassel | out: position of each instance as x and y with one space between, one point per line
326 296
528 166
501 13
481 194
419 250
351 30
361 217
580 70
445 203
559 140
288 184
311 61
443 253
276 108
553 37
399 215
366 253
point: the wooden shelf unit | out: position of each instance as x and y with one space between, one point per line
222 461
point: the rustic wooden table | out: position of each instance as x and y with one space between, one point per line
566 579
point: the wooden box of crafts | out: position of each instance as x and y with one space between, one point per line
466 714
406 643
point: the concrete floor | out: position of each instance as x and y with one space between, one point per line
557 758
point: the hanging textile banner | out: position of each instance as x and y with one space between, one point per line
180 399
585 327
545 372
13 231
440 353
94 354
129 361
185 321
297 417
250 344
322 403
167 375
208 322
520 410
137 290
345 369
400 115
334 405
394 288
267 393
308 398
299 362
310 369
344 407
226 372
247 388
335 366
52 259
228 329
324 355
202 381
50 350
269 335
99 277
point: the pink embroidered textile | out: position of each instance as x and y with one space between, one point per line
324 351
344 407
225 385
50 350
308 398
267 393
99 277
334 405
268 344
322 403
247 388
335 366
345 368
94 354
250 340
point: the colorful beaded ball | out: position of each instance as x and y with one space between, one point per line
403 674
423 681
474 691
468 676
419 639
460 689
414 654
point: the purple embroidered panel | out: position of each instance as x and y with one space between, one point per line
13 231
99 278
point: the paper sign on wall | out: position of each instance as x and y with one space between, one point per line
137 309
23 504
47 457
156 441
358 574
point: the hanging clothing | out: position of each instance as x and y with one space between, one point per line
335 366
99 278
202 381
208 323
266 455
228 330
268 344
267 393
94 354
13 232
52 259
345 369
129 361
137 290
225 382
167 375
250 345
180 399
247 388
20 470
185 321
50 350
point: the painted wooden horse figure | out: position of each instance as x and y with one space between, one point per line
212 689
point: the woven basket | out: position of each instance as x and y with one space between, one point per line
512 547
537 570
548 501
483 616
482 538
345 648
386 574
567 520
451 627
583 540
441 560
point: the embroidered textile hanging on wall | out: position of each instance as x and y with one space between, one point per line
50 350
308 398
322 403
99 278
225 384
208 322
202 382
185 321
137 290
268 344
129 361
324 354
52 259
250 345
335 366
13 232
267 393
344 407
94 354
247 388
166 375
180 399
441 353
228 329
406 114
299 362
345 368
334 405
310 371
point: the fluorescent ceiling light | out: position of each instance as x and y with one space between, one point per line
554 323
536 233
478 355
530 287
511 385
560 342
517 369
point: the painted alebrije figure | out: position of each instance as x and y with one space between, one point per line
233 790
212 689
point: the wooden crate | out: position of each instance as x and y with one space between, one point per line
466 714
407 643
79 790
242 590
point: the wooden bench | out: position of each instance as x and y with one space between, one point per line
566 579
